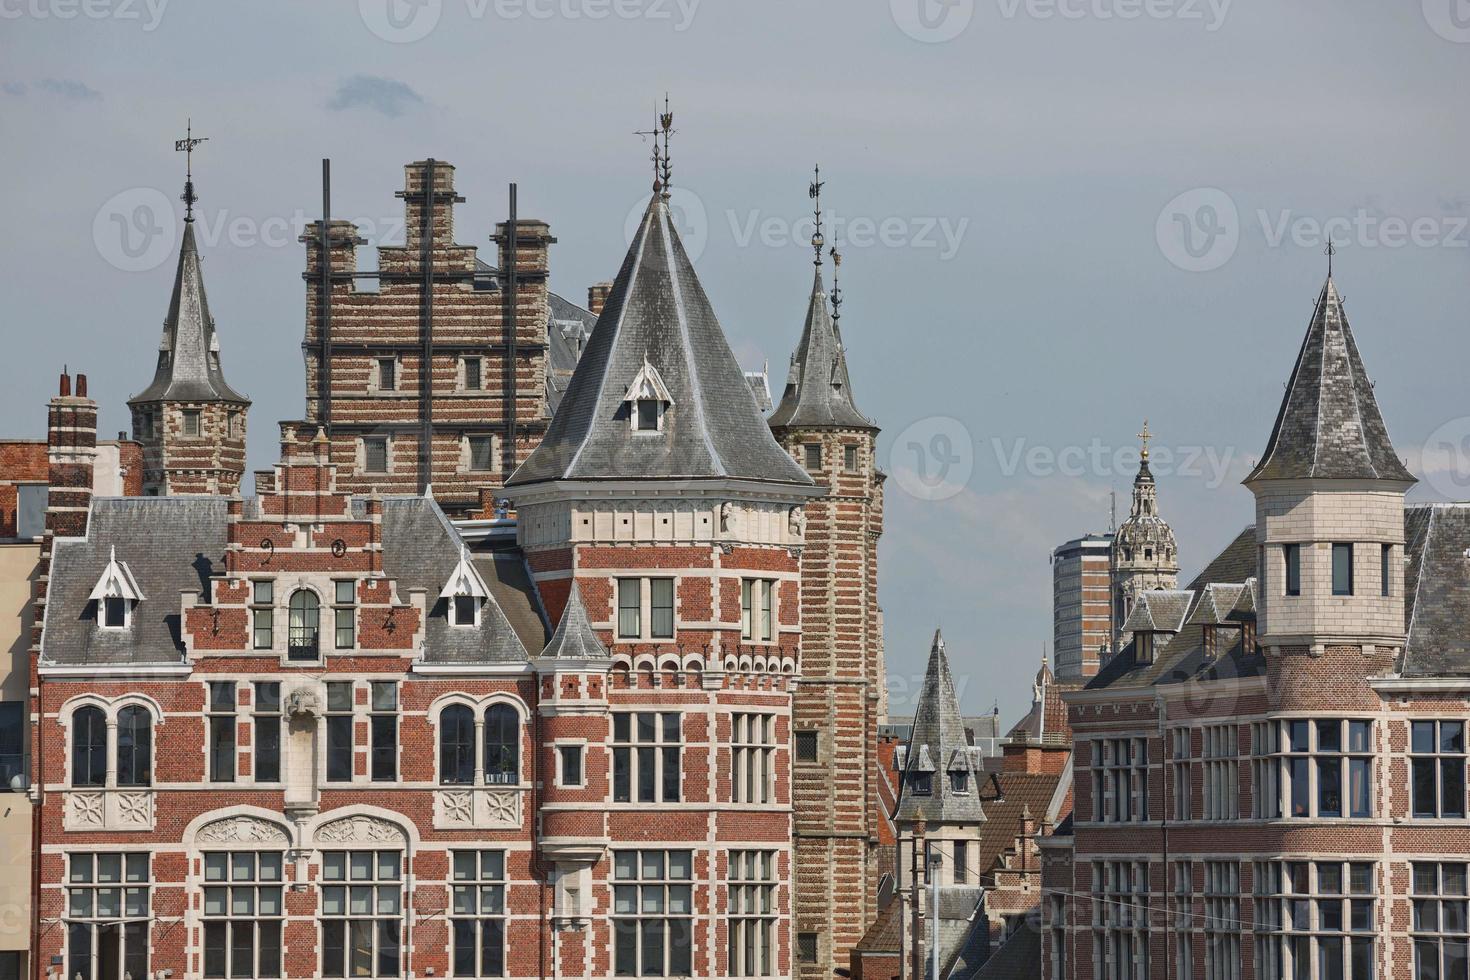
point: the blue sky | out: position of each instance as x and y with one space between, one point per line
1059 217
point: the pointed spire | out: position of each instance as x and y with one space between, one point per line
1329 426
575 639
938 746
818 391
658 311
188 356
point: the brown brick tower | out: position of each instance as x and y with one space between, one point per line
396 427
190 421
837 702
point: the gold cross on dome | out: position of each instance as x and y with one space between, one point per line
1145 435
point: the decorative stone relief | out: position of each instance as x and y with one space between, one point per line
360 829
242 830
108 809
477 808
797 521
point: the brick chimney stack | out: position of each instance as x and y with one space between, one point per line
71 447
597 295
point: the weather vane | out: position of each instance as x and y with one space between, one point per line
814 191
652 134
187 145
666 123
1330 251
1145 435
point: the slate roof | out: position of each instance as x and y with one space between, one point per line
188 356
658 312
568 329
421 550
1329 426
170 544
1160 610
575 639
818 391
937 745
885 935
1018 958
1437 589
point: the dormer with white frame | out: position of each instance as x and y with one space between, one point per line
116 594
465 592
648 399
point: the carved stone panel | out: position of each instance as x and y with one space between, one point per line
108 809
360 829
242 830
477 808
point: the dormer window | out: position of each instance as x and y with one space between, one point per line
648 399
959 781
116 594
464 593
922 784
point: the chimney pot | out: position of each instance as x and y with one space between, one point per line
65 385
81 386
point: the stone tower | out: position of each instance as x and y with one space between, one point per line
190 421
1144 555
1330 506
838 700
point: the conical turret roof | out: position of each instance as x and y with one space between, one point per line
818 392
658 317
1329 426
575 639
188 356
938 746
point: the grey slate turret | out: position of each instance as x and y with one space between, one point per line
1329 426
575 639
710 427
937 747
818 392
188 356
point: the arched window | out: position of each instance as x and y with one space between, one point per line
502 744
134 746
88 747
306 615
457 745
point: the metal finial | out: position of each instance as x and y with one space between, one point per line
187 145
814 191
1145 435
666 123
1330 251
836 291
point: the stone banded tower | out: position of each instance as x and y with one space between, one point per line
1330 509
838 699
1145 556
190 421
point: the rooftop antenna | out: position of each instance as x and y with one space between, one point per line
187 145
1113 511
814 191
666 123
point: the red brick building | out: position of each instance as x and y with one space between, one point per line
321 732
1271 775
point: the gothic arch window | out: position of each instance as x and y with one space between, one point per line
457 745
88 747
305 623
502 744
134 746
